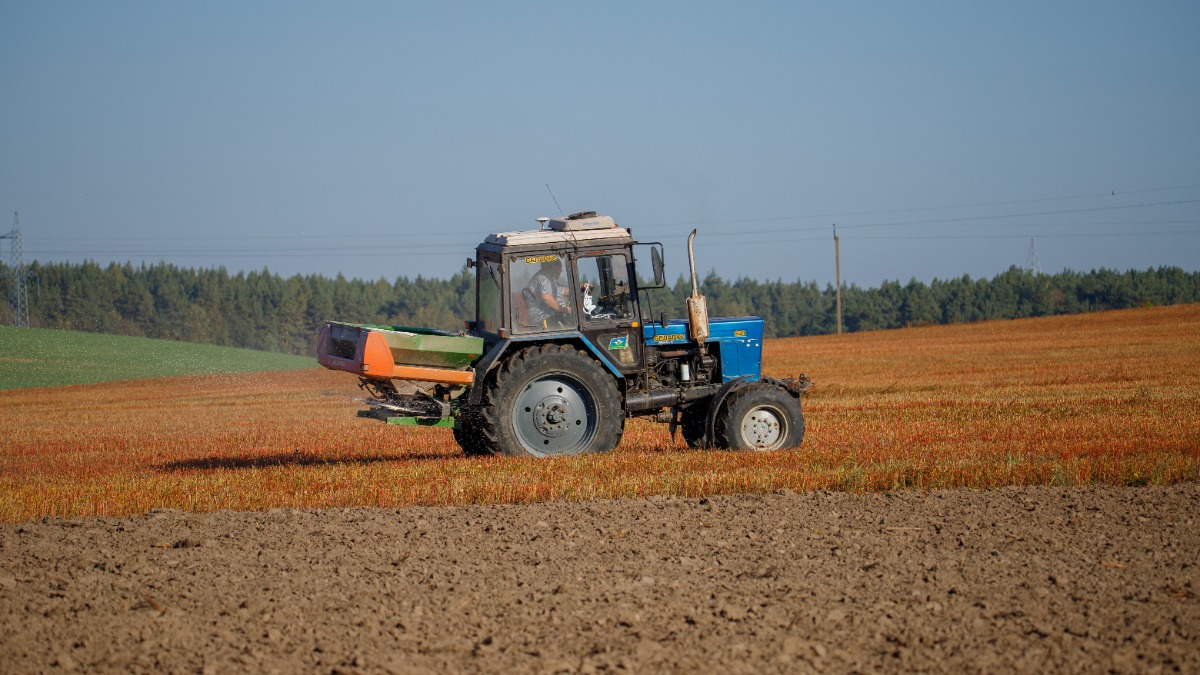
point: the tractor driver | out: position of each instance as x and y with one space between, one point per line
546 296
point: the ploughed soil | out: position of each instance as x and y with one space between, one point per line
1016 579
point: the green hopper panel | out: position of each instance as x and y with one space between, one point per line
424 346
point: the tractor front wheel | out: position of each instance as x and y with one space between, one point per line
551 400
761 417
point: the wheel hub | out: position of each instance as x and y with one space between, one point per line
762 428
552 416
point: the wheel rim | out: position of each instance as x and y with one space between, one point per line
764 428
554 415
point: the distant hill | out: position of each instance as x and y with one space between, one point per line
40 357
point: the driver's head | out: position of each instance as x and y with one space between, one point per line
552 267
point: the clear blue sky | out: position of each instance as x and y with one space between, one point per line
379 139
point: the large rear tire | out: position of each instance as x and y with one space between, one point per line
551 400
761 417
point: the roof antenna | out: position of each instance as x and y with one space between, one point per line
560 211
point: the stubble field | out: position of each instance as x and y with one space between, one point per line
1110 398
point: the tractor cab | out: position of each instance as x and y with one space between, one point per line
576 276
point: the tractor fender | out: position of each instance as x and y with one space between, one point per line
493 358
710 420
604 360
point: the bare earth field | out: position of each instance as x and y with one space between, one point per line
1034 579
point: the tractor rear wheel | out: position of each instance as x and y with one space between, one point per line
761 417
551 400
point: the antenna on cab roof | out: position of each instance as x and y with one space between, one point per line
560 211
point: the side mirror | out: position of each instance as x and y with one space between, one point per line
656 263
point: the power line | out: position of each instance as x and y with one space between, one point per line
272 249
967 219
452 248
1036 213
446 245
464 244
377 237
248 237
442 231
903 237
1111 193
254 254
402 251
1079 235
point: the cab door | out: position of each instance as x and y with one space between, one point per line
607 313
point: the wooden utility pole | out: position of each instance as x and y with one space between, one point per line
837 266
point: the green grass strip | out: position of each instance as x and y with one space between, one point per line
40 357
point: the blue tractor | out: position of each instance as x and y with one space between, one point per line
564 348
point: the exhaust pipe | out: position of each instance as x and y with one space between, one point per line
696 306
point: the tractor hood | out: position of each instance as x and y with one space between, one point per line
739 340
730 328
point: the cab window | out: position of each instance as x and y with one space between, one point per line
489 296
604 290
542 298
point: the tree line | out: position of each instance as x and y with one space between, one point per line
262 310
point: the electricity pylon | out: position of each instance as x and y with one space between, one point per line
1032 263
18 293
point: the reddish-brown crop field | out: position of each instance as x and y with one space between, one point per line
1101 398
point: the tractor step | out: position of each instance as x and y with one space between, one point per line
443 422
406 420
